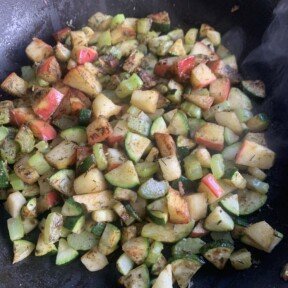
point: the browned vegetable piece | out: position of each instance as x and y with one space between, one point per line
82 79
38 50
49 70
165 144
177 208
99 130
15 85
63 155
25 172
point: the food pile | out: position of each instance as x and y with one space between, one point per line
131 135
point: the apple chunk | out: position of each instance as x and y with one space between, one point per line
200 98
42 130
62 34
164 67
252 154
219 90
145 100
49 70
63 155
71 101
201 76
165 144
183 66
103 106
170 167
47 105
261 233
38 50
15 85
197 204
177 208
230 120
99 130
210 181
84 54
211 136
47 201
80 78
22 115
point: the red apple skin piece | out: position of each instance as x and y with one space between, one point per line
208 144
183 67
65 106
85 55
47 105
62 34
199 230
112 140
164 67
49 70
211 136
219 90
210 181
47 201
52 198
42 130
22 115
217 67
82 152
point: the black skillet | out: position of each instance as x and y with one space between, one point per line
20 20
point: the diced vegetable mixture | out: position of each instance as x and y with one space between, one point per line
129 134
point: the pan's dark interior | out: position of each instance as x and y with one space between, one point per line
22 19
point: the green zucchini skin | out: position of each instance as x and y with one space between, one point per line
4 178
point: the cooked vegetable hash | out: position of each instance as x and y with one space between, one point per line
131 135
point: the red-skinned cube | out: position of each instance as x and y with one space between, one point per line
42 130
47 105
85 55
66 104
164 67
49 70
183 68
62 34
21 115
210 181
220 89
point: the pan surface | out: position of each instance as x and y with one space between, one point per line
22 19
